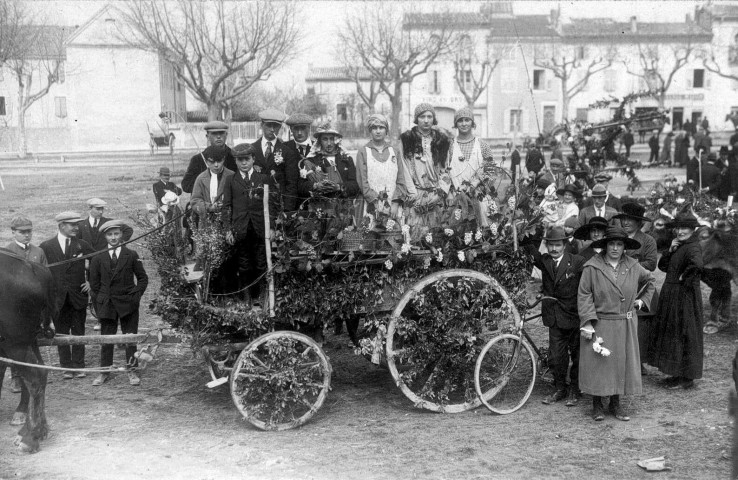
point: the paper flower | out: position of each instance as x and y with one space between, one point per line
278 157
493 229
390 224
406 229
457 214
429 237
440 256
388 264
461 255
468 238
511 202
448 231
598 348
405 248
426 263
493 208
478 236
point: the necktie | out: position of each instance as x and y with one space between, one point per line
302 151
67 247
268 153
114 260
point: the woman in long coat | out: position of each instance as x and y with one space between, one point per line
675 346
612 288
681 148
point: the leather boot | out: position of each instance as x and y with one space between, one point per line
598 413
617 410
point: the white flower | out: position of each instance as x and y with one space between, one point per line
659 201
468 238
278 157
388 264
511 202
406 229
448 231
390 224
478 236
679 201
405 248
493 229
461 255
457 214
493 208
426 262
653 192
303 173
570 139
429 237
605 352
440 256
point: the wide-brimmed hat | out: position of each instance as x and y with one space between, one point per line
582 233
599 191
299 119
633 210
326 129
684 220
111 224
571 189
555 233
603 177
616 233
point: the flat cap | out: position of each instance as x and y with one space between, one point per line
299 119
19 222
215 153
242 150
556 162
68 217
96 202
216 126
111 224
272 115
164 171
572 222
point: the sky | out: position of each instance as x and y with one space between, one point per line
318 42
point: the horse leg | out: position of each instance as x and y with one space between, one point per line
34 387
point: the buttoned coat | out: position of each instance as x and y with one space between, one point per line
113 290
647 254
96 238
243 204
588 213
68 277
32 253
200 200
197 166
561 284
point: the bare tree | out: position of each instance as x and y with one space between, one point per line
569 64
368 94
711 59
219 49
376 38
12 19
473 68
37 65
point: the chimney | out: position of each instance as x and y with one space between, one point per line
633 25
554 18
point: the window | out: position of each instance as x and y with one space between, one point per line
539 80
515 120
611 80
62 73
698 78
581 52
2 106
60 107
342 112
466 80
434 86
582 114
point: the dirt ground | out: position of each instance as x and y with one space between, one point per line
173 426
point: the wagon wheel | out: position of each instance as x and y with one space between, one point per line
218 362
505 373
436 332
171 144
280 380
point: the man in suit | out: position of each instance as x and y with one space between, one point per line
515 162
534 160
599 206
653 145
22 230
163 185
89 228
560 274
603 178
274 159
243 216
117 282
299 124
216 133
72 287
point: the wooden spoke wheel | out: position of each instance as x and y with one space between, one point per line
219 362
505 373
436 332
280 380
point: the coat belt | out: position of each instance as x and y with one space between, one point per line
615 316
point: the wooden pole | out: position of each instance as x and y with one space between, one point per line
107 339
268 245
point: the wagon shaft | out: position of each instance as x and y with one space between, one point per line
107 339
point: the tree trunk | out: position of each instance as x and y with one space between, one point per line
662 98
565 99
213 111
396 111
22 140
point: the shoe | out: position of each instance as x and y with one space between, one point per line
671 382
573 399
677 383
68 376
644 370
687 384
598 413
555 397
133 378
96 327
619 413
15 385
80 375
100 379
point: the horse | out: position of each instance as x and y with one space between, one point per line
27 306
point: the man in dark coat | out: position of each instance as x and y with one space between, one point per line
534 161
603 178
117 281
301 145
628 141
560 274
163 185
243 217
515 162
72 287
653 144
89 228
693 167
216 133
711 178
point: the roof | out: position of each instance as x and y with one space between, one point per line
323 74
606 28
725 11
512 26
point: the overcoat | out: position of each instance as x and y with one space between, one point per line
562 285
68 277
647 253
283 166
32 253
675 345
114 291
606 297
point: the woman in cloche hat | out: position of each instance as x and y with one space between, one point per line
612 288
675 345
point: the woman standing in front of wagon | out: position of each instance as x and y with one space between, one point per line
424 151
675 346
612 288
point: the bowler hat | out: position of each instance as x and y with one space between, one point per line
20 223
684 220
599 191
96 202
555 233
633 210
111 224
616 233
299 119
242 150
272 115
571 189
582 233
68 217
164 171
216 126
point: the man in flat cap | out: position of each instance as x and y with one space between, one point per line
22 230
216 133
164 185
89 228
301 145
72 286
117 282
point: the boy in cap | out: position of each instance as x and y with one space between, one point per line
117 282
216 133
72 286
163 185
207 193
89 228
22 230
